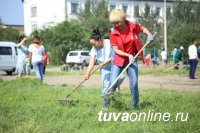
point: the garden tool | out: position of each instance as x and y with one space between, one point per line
115 81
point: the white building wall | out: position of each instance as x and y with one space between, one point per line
52 12
49 12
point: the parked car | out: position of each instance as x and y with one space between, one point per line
78 57
8 57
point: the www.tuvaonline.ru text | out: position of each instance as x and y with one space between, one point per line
151 115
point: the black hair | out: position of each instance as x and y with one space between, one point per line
20 38
96 34
36 39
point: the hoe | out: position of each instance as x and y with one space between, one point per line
115 81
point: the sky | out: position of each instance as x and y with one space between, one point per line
11 12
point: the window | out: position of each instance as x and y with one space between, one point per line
157 11
136 11
5 51
85 54
169 13
73 54
112 7
124 8
34 27
74 8
33 11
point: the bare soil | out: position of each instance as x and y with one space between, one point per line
168 82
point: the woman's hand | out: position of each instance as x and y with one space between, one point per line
101 65
87 76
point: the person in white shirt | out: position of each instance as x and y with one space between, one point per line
164 58
36 52
102 53
193 59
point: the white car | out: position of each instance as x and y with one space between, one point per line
8 57
78 57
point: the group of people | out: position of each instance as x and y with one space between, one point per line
34 54
177 55
115 54
194 55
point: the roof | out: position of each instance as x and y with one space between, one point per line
18 27
7 43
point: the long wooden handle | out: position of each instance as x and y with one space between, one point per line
171 67
80 83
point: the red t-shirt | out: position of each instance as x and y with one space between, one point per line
126 41
45 57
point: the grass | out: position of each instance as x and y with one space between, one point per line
27 105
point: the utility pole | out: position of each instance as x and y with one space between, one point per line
165 25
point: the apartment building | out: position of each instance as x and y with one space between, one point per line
39 14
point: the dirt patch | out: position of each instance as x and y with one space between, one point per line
169 82
174 82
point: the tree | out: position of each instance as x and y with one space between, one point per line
95 14
8 33
184 36
184 23
147 10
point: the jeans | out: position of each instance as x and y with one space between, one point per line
132 72
105 80
38 67
193 66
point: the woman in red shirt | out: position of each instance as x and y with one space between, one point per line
126 44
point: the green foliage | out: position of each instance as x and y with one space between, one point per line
95 15
8 34
150 22
186 12
146 10
27 105
183 25
184 35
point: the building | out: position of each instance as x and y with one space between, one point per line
39 14
20 28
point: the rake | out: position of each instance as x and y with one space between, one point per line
70 101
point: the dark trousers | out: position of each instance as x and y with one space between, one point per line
44 69
193 66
